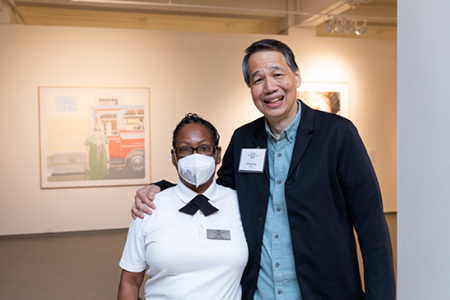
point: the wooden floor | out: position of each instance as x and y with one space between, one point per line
71 266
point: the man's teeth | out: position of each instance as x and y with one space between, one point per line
274 100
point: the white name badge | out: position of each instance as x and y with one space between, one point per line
252 160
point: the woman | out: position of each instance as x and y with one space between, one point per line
194 249
97 155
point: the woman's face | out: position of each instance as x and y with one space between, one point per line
194 135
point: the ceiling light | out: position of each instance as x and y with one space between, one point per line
361 29
340 25
351 27
328 25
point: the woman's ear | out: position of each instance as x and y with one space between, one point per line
218 155
174 159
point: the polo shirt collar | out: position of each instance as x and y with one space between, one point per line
186 194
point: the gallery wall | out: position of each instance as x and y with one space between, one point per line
423 150
186 72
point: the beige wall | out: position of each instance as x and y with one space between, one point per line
186 72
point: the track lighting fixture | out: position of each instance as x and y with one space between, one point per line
349 26
340 25
362 28
328 25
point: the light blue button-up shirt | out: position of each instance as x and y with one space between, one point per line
277 276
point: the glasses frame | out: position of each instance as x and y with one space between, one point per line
194 149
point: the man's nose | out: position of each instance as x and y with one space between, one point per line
270 86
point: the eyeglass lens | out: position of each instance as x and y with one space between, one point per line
202 149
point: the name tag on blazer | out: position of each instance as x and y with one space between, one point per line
252 160
218 234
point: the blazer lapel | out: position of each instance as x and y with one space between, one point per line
260 141
304 133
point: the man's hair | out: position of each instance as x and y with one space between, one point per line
194 118
268 44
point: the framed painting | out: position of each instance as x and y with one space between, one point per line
94 136
326 96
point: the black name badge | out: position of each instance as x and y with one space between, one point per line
217 234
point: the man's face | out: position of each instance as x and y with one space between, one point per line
273 86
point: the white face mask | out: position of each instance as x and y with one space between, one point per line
196 168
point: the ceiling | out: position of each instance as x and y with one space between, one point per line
230 16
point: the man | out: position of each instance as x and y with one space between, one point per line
304 183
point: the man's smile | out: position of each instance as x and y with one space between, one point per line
274 100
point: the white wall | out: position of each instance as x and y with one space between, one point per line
423 150
186 72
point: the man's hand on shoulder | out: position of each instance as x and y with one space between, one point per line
144 195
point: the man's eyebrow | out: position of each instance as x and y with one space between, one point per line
274 67
255 73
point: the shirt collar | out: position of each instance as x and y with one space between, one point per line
186 194
290 132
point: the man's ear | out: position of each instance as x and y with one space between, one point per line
218 155
174 160
299 78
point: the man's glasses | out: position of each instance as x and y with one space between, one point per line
202 149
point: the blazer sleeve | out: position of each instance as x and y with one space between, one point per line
164 184
360 186
226 173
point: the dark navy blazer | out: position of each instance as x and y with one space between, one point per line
331 189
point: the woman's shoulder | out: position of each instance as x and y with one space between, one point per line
226 191
164 197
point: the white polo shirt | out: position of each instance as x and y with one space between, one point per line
183 262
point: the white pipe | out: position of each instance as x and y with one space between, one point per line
12 4
254 10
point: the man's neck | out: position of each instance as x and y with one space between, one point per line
277 126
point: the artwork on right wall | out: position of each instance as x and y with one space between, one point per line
331 97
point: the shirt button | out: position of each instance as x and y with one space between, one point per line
277 265
276 236
278 181
259 219
279 154
280 292
278 209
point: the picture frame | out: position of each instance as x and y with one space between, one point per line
331 97
94 137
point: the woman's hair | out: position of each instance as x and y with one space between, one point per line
272 45
194 118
